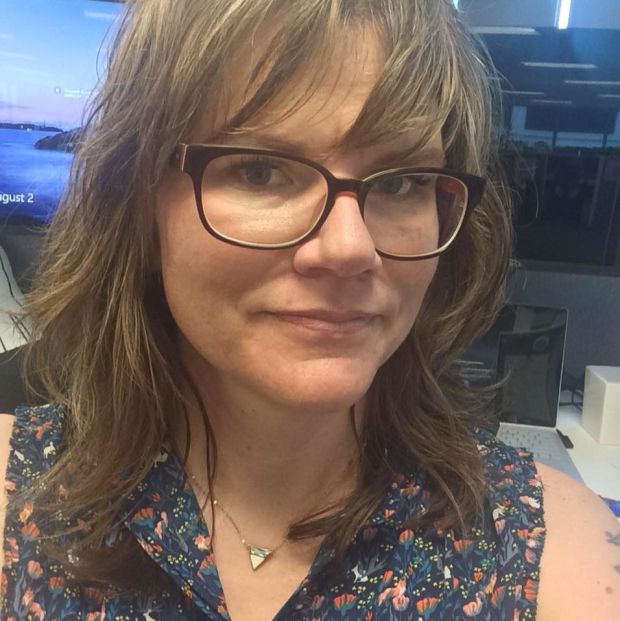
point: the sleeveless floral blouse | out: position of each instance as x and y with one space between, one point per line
391 572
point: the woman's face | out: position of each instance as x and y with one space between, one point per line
304 327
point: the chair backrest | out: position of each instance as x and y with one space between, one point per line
12 389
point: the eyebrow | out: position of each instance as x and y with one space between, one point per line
407 156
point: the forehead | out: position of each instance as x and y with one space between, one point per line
314 111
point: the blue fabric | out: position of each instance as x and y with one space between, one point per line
391 572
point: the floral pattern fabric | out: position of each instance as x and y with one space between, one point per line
391 572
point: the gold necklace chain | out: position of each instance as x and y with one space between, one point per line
258 555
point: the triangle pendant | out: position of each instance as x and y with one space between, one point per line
258 556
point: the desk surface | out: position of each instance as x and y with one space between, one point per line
598 464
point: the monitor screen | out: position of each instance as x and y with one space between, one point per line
52 57
525 346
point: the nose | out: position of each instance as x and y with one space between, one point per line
343 244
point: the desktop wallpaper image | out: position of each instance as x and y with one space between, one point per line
52 56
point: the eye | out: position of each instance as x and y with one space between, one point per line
393 185
402 185
260 172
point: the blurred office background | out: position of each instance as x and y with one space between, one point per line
559 62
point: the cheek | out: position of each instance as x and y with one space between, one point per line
412 281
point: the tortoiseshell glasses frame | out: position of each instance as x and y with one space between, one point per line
193 160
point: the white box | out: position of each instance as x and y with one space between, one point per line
601 404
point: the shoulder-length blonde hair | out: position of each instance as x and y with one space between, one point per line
104 344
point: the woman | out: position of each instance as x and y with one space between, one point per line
276 241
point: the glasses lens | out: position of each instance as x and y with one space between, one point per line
261 199
414 214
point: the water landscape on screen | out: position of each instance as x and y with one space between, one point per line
51 59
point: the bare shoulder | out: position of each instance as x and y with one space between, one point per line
6 429
580 563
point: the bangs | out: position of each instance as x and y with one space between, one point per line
421 85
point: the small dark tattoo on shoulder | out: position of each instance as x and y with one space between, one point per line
613 539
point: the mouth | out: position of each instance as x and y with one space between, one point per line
328 322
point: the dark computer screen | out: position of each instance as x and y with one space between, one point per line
52 56
525 345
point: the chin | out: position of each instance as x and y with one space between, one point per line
329 393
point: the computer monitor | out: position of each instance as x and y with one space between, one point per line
52 56
525 346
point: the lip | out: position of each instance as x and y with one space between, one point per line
327 321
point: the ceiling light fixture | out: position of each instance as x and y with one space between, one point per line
553 101
592 82
504 30
532 93
559 65
564 14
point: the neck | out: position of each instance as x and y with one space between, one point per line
273 462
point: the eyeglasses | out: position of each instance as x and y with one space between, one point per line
265 199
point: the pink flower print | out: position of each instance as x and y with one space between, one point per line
399 589
27 597
317 601
522 533
344 602
530 502
56 584
11 554
34 569
471 609
144 515
36 610
498 596
427 605
26 512
410 491
38 434
531 556
9 486
499 525
400 603
384 595
406 537
152 549
207 567
387 577
491 583
161 524
202 542
30 531
463 546
388 513
531 589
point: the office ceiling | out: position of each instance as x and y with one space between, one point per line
600 48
